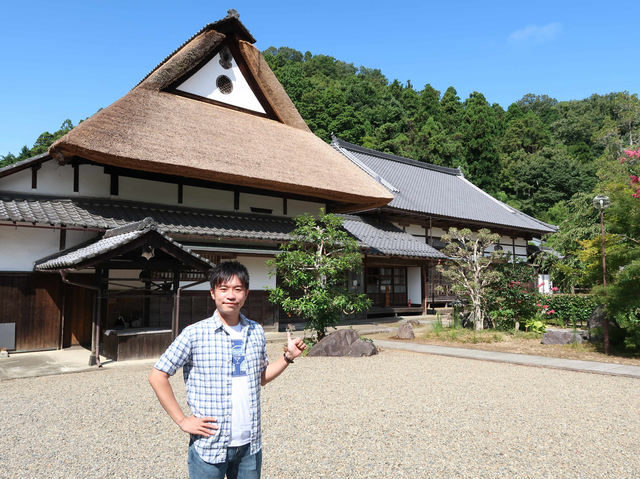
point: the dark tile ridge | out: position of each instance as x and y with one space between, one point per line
338 143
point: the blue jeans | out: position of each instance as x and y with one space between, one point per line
240 464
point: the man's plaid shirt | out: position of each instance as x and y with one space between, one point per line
204 350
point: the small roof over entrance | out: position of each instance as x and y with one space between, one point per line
138 245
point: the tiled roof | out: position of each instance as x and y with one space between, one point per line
106 214
438 191
384 238
111 240
387 239
23 164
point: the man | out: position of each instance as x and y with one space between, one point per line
225 362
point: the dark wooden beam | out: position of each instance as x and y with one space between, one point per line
115 184
63 239
76 177
200 183
34 175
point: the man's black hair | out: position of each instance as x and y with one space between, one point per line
223 272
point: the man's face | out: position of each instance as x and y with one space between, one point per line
230 296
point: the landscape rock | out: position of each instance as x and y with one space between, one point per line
562 337
596 320
413 322
344 342
406 331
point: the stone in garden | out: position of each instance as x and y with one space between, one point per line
469 320
596 320
413 322
344 342
562 337
406 331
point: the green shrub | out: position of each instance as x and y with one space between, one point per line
630 322
535 325
570 308
503 319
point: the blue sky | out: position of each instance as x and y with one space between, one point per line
67 59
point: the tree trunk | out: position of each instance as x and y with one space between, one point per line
477 309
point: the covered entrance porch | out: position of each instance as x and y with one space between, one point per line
128 303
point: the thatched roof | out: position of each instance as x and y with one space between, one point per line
154 129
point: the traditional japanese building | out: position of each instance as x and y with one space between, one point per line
428 200
205 160
107 237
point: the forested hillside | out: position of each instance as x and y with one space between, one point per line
535 155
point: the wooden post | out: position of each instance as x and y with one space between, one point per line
146 305
425 288
175 319
95 323
63 294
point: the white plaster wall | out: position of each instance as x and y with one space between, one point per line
259 201
208 198
415 230
55 179
297 208
22 246
19 182
93 181
414 287
437 232
77 237
203 83
135 189
544 284
521 242
258 272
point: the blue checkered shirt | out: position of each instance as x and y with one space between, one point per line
204 350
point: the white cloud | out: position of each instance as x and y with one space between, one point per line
536 34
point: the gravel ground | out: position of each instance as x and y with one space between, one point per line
393 415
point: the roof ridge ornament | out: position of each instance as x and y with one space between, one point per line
232 13
146 224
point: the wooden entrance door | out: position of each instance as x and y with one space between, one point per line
78 312
387 285
32 302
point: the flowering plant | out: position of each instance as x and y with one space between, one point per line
631 159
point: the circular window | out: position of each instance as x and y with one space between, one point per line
224 84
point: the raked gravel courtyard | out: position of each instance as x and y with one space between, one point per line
393 415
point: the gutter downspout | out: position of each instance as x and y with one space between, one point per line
94 358
176 315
